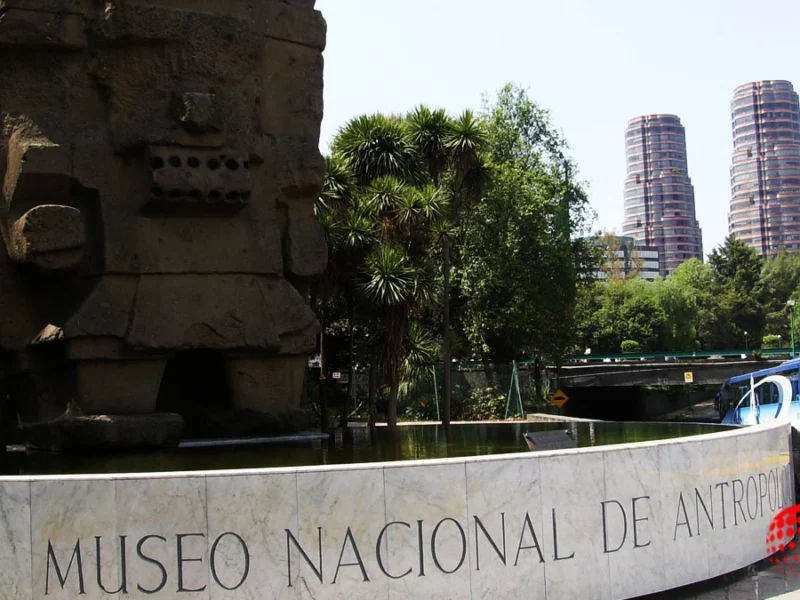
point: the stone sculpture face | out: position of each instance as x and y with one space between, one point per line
159 162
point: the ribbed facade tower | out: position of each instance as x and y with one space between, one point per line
765 175
659 196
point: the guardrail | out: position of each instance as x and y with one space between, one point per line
711 354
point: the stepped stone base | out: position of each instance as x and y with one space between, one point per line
113 432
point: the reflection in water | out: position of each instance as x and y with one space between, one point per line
356 445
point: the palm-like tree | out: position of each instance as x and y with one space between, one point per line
397 167
429 131
452 151
396 286
351 233
376 146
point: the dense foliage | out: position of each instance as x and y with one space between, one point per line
735 301
448 236
455 238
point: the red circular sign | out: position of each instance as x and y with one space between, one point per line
780 537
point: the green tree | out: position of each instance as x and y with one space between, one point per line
698 281
736 264
376 146
737 269
779 281
452 151
521 256
350 233
630 311
679 330
394 195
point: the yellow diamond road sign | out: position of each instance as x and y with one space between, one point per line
559 398
688 377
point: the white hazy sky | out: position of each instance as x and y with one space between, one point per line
593 63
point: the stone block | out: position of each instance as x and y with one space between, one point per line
504 496
89 348
82 433
295 23
298 168
62 7
49 236
143 507
35 173
200 113
266 384
198 182
263 508
106 310
245 312
306 247
433 499
26 28
15 540
119 387
174 245
298 71
61 511
346 512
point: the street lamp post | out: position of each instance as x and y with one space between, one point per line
746 347
791 304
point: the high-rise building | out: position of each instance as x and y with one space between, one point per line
765 175
659 196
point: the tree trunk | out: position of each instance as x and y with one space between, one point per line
323 392
373 394
391 416
446 380
351 373
395 320
488 370
537 375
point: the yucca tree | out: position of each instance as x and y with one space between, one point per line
399 277
375 146
452 150
429 131
395 286
351 233
420 354
395 192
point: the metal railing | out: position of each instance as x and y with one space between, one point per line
704 354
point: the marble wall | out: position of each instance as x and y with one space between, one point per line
606 523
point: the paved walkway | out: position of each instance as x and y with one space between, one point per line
759 582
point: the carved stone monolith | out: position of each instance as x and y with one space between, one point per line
159 164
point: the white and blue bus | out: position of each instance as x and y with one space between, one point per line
762 396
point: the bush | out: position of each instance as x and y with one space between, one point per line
423 409
771 341
630 347
480 404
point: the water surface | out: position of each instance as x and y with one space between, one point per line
354 445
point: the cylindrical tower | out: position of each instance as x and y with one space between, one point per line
765 175
659 196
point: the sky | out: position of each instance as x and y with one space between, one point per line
594 64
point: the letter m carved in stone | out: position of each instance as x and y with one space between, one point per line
62 579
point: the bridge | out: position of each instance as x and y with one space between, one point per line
660 374
615 387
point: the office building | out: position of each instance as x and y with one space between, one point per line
623 258
659 196
765 174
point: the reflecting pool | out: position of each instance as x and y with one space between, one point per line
348 446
